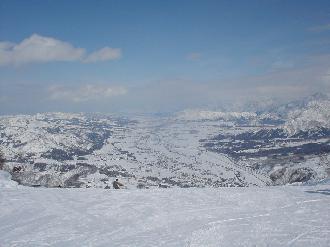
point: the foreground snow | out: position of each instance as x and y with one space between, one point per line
276 216
5 180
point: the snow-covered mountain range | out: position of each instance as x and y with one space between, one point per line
194 148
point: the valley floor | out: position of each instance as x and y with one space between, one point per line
270 216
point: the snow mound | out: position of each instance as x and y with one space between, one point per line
5 180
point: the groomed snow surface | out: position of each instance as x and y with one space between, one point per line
270 216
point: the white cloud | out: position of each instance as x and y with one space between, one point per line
104 54
40 49
85 93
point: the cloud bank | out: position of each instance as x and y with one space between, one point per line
85 93
104 54
41 49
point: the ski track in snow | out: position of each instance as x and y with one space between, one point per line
273 216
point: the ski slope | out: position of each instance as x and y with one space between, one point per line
271 216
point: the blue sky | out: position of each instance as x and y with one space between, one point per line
148 56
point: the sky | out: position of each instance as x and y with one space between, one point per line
159 56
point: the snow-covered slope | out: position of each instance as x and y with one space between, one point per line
193 148
80 151
315 115
282 109
214 115
270 216
229 118
6 181
43 135
297 150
